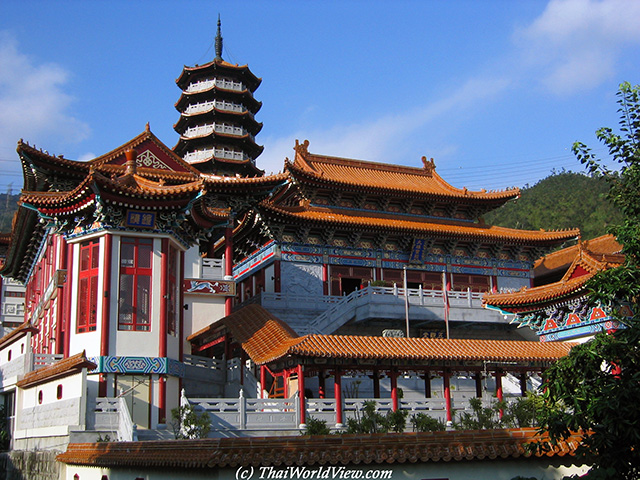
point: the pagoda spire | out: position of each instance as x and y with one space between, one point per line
219 41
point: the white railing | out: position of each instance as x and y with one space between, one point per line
249 413
203 85
44 359
204 130
283 414
343 310
126 427
212 268
112 414
218 152
219 104
203 362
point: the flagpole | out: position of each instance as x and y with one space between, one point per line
406 301
445 298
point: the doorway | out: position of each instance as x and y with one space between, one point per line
136 392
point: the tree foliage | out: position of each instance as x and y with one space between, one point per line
562 200
595 389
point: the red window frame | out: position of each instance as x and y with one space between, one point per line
88 286
134 300
172 287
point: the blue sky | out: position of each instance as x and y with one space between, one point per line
496 91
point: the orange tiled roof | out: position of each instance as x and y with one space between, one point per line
265 338
584 266
214 453
417 226
606 244
17 333
384 177
61 368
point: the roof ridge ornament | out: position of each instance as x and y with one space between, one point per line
219 41
428 165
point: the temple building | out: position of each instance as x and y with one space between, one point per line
160 277
341 229
558 307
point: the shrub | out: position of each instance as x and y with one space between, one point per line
187 423
424 423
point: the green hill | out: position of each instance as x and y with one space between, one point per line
562 200
7 208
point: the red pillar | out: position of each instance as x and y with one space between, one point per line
67 300
301 397
337 388
393 375
263 380
228 266
499 393
321 384
164 270
446 377
105 328
60 302
325 279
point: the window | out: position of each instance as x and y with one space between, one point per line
40 397
135 284
171 290
88 286
59 392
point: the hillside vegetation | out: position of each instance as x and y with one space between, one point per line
562 200
7 208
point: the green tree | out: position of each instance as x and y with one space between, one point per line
595 389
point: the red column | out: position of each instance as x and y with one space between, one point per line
337 389
181 309
162 400
228 266
263 380
446 376
393 375
276 273
325 279
499 394
105 329
321 384
301 397
60 302
164 275
67 300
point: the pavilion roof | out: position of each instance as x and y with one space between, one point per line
584 266
390 448
305 214
385 178
18 332
265 338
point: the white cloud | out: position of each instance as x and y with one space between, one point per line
575 45
383 139
33 103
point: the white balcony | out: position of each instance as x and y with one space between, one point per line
224 128
206 84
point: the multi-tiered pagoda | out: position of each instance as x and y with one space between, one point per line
217 124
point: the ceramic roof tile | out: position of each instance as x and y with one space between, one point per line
265 338
606 244
16 333
318 450
61 368
383 177
585 264
417 225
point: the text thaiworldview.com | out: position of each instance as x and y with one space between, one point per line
311 473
